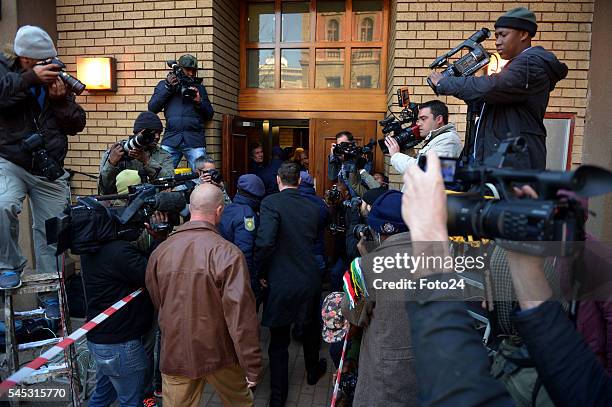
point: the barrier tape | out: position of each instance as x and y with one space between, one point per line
337 384
31 367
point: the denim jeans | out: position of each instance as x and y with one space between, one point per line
190 154
121 370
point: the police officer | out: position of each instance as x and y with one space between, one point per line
240 220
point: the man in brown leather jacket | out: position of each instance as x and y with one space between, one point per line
199 282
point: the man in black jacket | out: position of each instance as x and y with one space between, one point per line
185 116
123 367
442 332
33 100
287 269
514 100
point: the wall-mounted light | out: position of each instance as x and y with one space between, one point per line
496 64
97 73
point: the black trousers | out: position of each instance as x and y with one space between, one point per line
278 352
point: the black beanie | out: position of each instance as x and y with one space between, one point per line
147 120
519 18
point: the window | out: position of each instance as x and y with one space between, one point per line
367 29
316 44
333 30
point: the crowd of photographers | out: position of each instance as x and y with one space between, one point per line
210 262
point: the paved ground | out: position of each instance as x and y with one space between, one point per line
300 393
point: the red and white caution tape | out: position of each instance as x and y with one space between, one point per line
31 367
337 385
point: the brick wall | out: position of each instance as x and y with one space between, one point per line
425 30
142 35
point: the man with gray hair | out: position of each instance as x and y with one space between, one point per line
200 284
37 113
206 168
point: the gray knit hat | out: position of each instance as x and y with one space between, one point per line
34 42
519 18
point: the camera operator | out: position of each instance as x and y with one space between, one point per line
438 134
569 371
515 99
37 112
115 270
155 161
207 170
347 169
185 116
356 214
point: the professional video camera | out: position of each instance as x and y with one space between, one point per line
350 150
186 82
74 85
48 167
138 141
403 128
84 227
553 217
468 64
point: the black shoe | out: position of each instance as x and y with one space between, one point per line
313 377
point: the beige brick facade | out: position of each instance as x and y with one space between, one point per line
142 35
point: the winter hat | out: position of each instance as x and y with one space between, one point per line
335 325
372 195
125 179
252 184
386 214
147 120
519 18
188 61
306 179
34 42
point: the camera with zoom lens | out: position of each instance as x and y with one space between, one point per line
138 141
350 149
74 85
353 203
47 166
403 128
360 229
552 217
186 83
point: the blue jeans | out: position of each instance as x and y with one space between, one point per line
190 154
121 370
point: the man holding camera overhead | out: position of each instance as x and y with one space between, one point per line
139 152
186 107
37 113
516 98
436 132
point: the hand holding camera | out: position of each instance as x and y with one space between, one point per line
139 155
116 154
47 74
57 90
172 80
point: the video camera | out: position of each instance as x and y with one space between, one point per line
186 82
89 224
470 63
74 85
552 217
350 149
403 128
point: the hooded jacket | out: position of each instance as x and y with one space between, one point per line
184 118
19 108
444 141
515 102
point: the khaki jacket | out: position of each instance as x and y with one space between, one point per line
199 282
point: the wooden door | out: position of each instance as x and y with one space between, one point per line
323 134
235 149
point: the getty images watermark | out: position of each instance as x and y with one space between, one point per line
406 263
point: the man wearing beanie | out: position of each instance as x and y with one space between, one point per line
240 219
155 161
514 100
386 371
185 116
33 100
